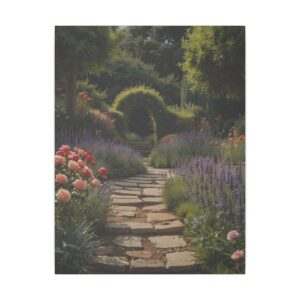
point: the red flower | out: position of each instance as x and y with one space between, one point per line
86 172
93 163
89 156
65 148
73 156
103 172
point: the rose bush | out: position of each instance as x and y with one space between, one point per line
74 174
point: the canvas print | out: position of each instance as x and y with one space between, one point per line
150 150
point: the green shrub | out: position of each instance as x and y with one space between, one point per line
97 98
174 193
75 247
184 146
151 101
233 153
186 209
120 123
208 235
128 71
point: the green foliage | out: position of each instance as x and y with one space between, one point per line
99 98
207 232
174 193
151 101
186 209
120 165
159 46
127 71
85 120
75 247
79 50
186 111
120 123
214 61
233 153
184 146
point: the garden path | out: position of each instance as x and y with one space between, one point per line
141 235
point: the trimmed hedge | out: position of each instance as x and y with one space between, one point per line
150 100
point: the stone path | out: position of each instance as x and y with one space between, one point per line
141 235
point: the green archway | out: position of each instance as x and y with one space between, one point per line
150 101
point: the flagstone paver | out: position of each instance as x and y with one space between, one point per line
112 263
147 266
142 236
128 241
160 217
155 208
180 261
167 241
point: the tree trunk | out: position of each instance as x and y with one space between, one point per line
71 93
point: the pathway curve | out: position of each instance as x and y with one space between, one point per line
141 235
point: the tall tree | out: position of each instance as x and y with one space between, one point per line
214 61
79 50
159 46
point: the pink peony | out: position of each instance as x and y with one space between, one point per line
81 163
103 172
61 178
63 195
65 148
231 235
73 165
96 183
80 184
238 254
59 160
86 172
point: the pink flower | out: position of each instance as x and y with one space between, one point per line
96 183
80 184
73 156
231 235
86 172
103 172
59 160
73 165
238 254
63 195
81 163
61 178
65 148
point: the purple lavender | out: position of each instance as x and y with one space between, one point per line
216 185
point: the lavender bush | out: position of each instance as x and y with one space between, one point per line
216 185
213 206
185 145
119 159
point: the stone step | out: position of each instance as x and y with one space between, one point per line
155 208
167 241
181 261
115 264
160 217
171 227
128 241
127 202
147 266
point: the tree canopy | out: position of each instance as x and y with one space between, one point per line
214 61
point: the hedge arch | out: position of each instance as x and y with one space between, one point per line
150 100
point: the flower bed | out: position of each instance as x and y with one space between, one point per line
81 205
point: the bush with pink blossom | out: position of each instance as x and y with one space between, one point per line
81 205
